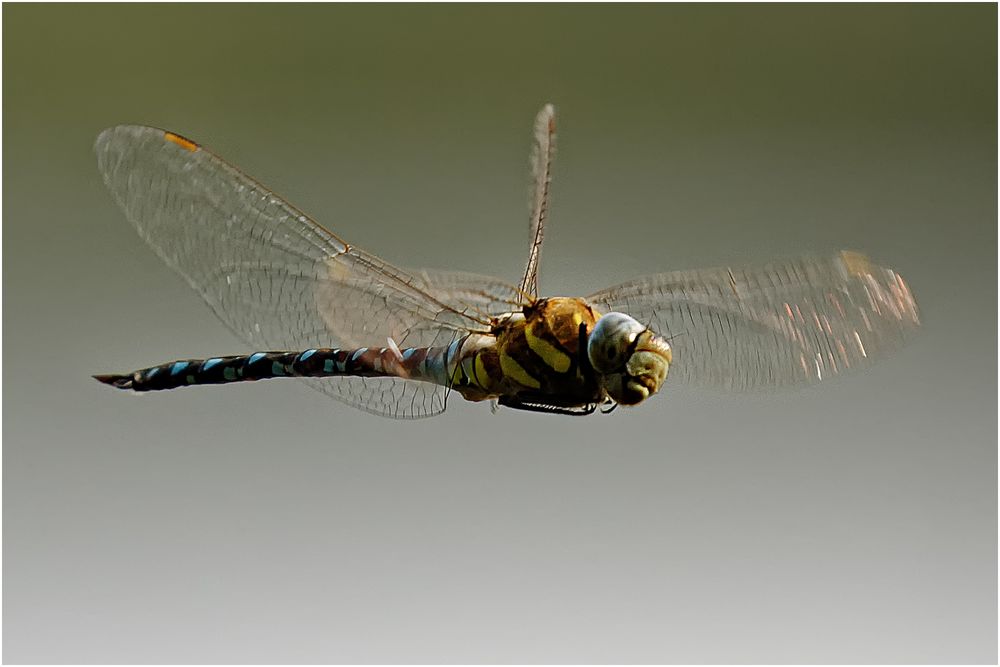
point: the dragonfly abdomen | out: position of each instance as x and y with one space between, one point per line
421 363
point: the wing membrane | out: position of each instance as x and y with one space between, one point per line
797 321
484 296
542 156
273 275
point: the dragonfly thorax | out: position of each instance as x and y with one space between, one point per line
539 357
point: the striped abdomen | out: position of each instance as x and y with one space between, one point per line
428 364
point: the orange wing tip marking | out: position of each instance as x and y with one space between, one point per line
180 141
856 263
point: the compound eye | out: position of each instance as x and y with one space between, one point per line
610 340
607 356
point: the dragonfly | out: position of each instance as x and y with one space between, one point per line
398 343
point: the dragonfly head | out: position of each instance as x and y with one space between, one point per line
631 360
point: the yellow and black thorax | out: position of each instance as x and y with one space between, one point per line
539 352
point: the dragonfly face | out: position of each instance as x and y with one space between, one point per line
630 359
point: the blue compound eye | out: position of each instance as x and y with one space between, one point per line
609 342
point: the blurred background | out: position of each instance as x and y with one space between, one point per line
854 521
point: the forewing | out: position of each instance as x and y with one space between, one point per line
542 156
797 321
278 279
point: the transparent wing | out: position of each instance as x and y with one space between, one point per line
278 279
783 323
542 155
482 296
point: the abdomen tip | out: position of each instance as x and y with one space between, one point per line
119 381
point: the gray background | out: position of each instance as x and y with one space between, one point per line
854 521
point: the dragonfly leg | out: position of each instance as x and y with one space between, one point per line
514 403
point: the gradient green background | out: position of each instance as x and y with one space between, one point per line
854 521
